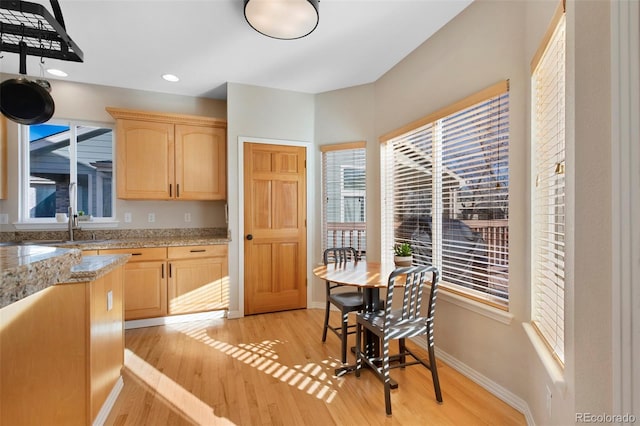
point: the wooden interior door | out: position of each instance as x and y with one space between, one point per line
275 228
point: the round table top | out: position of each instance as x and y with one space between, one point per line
361 273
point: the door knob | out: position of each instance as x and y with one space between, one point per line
249 237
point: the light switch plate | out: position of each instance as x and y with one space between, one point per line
152 217
127 217
109 300
4 219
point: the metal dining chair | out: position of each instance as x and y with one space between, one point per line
399 323
345 301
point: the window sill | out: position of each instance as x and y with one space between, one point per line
556 375
56 226
475 306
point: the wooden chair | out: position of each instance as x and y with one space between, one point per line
345 301
400 323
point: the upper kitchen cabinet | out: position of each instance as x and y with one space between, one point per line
169 156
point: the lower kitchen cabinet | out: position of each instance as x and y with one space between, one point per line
198 278
145 282
174 280
62 350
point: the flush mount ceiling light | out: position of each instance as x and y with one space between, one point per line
282 19
170 77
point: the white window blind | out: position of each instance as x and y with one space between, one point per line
344 196
446 192
548 97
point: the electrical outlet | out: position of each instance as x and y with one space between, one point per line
152 217
549 398
109 300
127 217
187 217
4 219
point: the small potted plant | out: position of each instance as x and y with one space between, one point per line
403 254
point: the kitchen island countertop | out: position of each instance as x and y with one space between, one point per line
25 270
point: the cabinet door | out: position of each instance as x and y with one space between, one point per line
145 290
145 160
197 285
200 162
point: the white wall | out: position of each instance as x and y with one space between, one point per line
259 113
490 41
347 115
589 367
87 102
481 46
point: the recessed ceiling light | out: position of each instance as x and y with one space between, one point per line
170 77
57 73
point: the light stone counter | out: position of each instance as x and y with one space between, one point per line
93 267
25 270
144 242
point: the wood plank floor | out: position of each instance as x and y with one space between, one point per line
273 370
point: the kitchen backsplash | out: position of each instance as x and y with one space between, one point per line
113 234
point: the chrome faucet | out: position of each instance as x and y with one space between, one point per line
73 219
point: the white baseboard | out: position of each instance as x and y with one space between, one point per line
175 319
494 388
109 403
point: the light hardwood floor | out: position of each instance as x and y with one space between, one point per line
273 369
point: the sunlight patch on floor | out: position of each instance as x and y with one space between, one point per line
312 378
190 406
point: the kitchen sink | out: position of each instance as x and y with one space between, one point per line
40 242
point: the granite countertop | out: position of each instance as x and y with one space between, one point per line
25 270
142 242
93 267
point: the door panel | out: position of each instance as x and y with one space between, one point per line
275 217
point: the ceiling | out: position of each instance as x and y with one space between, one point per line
207 43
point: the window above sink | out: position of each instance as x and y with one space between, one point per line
57 154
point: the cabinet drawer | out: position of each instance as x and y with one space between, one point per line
140 254
184 252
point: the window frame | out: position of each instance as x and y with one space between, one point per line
25 222
326 150
551 343
474 300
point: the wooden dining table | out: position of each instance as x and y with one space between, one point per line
371 277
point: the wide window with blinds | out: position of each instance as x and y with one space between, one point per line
548 192
446 192
344 196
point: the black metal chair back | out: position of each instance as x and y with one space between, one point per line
399 323
345 301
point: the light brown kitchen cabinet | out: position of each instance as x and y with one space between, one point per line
144 160
145 282
161 281
200 166
62 351
169 156
198 279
